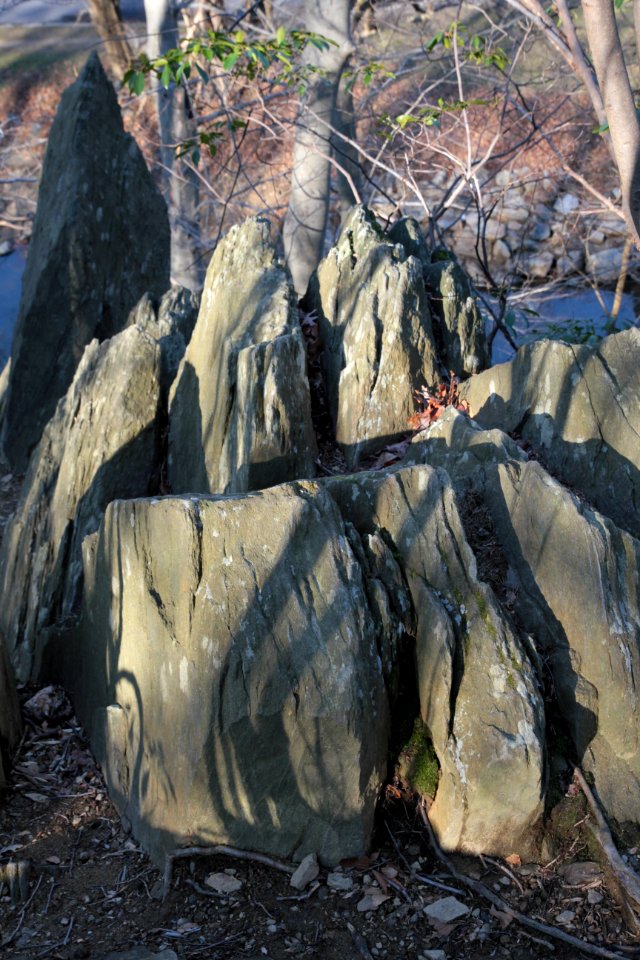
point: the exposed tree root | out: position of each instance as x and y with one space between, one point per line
218 850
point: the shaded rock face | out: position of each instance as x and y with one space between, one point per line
171 324
10 721
100 240
230 677
579 407
375 327
240 413
574 576
101 443
458 323
477 690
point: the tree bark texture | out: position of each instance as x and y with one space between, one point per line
306 218
619 104
176 124
105 16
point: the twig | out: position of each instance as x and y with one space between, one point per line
12 936
359 942
218 850
483 891
625 881
301 896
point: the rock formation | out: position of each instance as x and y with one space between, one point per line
375 328
101 443
227 671
574 577
458 323
100 240
240 414
579 408
476 685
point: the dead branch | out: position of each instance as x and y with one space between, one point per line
625 882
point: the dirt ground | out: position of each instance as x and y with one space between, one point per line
88 890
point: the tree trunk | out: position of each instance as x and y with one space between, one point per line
105 16
306 218
619 104
176 124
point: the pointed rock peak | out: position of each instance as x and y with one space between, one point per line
361 232
247 246
93 71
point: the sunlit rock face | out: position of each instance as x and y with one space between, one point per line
578 407
100 241
240 411
230 677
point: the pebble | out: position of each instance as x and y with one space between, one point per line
446 910
306 872
338 881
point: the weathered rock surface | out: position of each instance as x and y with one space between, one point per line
231 683
478 694
101 443
459 326
579 407
574 577
100 240
10 721
240 413
578 595
171 324
375 327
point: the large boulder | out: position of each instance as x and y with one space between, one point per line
240 411
575 576
579 408
100 240
376 333
101 443
227 672
477 689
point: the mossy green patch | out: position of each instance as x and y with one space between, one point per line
417 764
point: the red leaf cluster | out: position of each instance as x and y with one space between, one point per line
431 405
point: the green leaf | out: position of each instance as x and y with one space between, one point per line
136 83
229 62
165 76
281 35
195 157
203 76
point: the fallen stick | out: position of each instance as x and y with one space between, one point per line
624 881
479 888
218 850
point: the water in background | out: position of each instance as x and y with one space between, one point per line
568 314
11 270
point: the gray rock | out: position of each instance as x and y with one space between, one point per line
477 690
579 407
375 327
100 240
408 234
577 594
140 953
101 443
10 721
227 673
305 873
171 325
446 910
240 412
566 203
463 341
581 872
605 265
